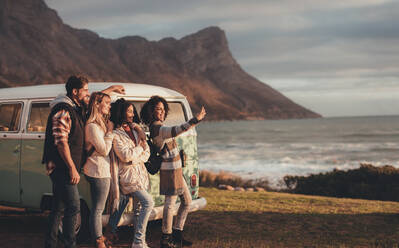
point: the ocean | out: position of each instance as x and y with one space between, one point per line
271 149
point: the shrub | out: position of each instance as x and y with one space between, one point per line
366 182
211 179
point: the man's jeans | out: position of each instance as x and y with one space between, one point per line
142 206
65 201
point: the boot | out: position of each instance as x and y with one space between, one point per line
100 242
107 242
179 239
110 237
167 241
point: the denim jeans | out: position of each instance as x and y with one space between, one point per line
99 189
116 216
65 202
142 206
170 201
146 203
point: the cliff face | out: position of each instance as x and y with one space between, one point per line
38 48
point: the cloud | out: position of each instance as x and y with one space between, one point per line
318 46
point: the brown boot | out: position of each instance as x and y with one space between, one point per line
100 242
110 237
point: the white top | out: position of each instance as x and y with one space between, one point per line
97 165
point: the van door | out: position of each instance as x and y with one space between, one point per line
34 181
10 151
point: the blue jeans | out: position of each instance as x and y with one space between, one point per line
65 202
99 189
141 213
116 216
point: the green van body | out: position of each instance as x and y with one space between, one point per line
23 179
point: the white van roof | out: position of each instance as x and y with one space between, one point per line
52 90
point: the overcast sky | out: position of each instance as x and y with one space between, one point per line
338 58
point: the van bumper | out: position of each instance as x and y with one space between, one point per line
157 212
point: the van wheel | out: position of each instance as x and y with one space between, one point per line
82 224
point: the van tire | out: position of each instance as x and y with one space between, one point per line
82 226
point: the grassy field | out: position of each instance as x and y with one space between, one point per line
269 219
249 219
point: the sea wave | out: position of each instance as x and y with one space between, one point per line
274 171
274 161
273 149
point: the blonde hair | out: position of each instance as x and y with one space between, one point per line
94 113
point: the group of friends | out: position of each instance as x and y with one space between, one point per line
86 132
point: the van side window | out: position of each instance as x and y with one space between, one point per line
176 115
10 116
38 117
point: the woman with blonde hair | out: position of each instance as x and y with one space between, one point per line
98 144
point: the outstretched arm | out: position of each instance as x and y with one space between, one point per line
170 132
114 88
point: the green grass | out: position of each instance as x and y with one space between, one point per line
270 219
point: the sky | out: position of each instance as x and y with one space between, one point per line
337 58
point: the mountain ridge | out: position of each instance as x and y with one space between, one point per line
40 49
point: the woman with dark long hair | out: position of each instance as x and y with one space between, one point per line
98 143
130 154
172 183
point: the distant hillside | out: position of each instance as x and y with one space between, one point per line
38 48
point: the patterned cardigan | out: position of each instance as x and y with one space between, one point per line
171 174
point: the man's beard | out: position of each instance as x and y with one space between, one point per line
84 104
85 101
84 107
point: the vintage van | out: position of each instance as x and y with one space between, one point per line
23 118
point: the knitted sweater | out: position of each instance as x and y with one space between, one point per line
171 174
97 165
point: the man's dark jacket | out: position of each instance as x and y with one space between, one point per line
75 139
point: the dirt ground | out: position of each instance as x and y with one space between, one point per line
19 228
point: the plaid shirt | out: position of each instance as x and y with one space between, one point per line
61 126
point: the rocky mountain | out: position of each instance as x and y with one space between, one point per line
38 48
